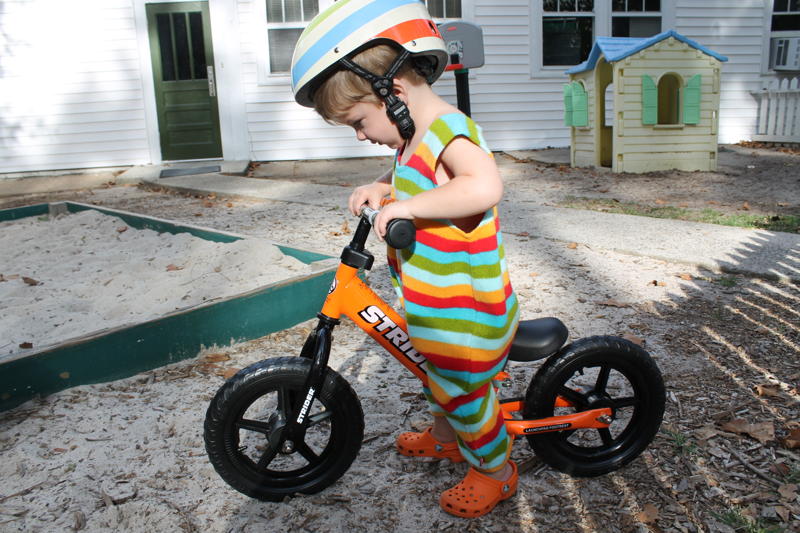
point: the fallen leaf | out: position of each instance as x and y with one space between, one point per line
172 268
656 283
208 204
345 227
792 440
216 357
634 339
686 277
208 368
763 432
26 345
64 375
613 303
783 512
659 201
122 229
788 491
780 469
30 281
2 278
60 450
768 390
198 214
229 373
705 433
572 245
648 514
746 206
229 204
534 274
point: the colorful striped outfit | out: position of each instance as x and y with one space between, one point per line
461 311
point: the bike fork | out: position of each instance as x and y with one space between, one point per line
317 348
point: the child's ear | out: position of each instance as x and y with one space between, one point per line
400 89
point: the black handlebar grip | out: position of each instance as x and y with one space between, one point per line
400 233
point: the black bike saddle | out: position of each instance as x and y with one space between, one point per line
537 339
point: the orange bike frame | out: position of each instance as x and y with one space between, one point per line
351 297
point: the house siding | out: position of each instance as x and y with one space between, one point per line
70 86
89 101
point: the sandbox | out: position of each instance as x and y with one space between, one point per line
106 353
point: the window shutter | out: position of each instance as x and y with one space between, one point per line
580 105
691 100
568 104
649 100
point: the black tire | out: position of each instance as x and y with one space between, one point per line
592 373
256 402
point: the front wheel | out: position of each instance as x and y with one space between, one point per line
594 373
244 423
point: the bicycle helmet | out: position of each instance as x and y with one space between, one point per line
348 27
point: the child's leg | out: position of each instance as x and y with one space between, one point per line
465 403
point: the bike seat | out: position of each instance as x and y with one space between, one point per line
537 338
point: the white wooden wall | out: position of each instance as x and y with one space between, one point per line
70 85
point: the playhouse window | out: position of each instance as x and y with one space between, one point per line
669 96
567 31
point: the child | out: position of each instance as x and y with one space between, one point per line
369 64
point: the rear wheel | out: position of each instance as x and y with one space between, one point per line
594 373
244 425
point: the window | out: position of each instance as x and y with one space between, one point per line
286 20
635 18
669 99
669 102
563 31
786 15
567 30
444 9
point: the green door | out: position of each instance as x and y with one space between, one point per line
183 70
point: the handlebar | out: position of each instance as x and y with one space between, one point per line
400 232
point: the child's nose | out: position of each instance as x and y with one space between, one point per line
360 135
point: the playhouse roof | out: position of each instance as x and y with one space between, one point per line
616 48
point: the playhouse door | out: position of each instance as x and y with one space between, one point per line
183 72
604 104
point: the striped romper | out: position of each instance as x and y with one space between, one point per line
461 311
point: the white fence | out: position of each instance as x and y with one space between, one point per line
779 111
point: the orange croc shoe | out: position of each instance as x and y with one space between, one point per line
478 493
425 445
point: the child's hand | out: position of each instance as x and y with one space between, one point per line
370 194
388 213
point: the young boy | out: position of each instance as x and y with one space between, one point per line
369 64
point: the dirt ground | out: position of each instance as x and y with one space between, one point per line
129 456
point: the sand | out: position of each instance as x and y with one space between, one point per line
66 276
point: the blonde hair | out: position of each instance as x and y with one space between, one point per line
345 88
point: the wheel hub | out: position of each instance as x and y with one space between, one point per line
601 400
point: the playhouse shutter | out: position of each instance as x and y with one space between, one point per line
568 104
691 100
649 100
580 105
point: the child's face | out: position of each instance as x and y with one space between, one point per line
371 123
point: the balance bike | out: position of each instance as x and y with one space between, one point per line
289 425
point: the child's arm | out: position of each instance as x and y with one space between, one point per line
371 194
474 188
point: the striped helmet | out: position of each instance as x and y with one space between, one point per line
350 26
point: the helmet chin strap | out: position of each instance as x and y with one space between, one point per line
383 86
